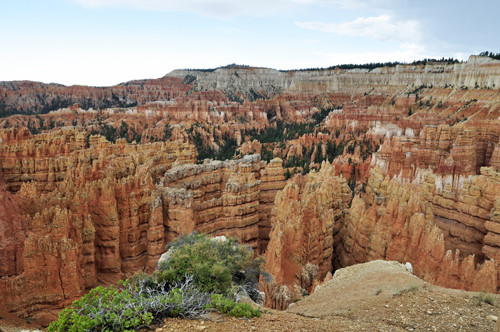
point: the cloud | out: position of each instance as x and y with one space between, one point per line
355 4
381 28
212 8
231 8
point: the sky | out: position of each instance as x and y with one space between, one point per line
106 42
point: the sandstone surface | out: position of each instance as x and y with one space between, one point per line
231 198
306 214
82 215
91 208
442 241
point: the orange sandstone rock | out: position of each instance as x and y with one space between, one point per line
408 223
307 213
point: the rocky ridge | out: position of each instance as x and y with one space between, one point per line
264 82
224 198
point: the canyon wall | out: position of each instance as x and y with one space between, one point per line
47 159
442 237
306 214
223 198
264 82
182 92
90 213
82 215
450 238
26 97
454 152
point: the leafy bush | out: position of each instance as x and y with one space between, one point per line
244 310
215 264
183 286
108 308
130 305
231 308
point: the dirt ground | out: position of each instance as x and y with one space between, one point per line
383 296
12 323
376 296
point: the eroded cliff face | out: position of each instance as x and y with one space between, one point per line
12 237
88 213
25 97
406 223
81 217
210 95
451 238
453 152
49 158
306 215
264 82
231 198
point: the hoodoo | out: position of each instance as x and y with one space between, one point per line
314 170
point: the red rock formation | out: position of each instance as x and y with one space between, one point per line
307 213
458 151
272 181
397 222
451 238
47 159
251 147
12 237
34 97
231 198
102 220
92 211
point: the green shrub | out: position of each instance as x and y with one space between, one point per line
130 305
244 310
183 286
104 309
229 307
215 265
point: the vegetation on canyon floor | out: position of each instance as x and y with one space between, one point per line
199 275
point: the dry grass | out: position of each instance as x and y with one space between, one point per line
488 298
